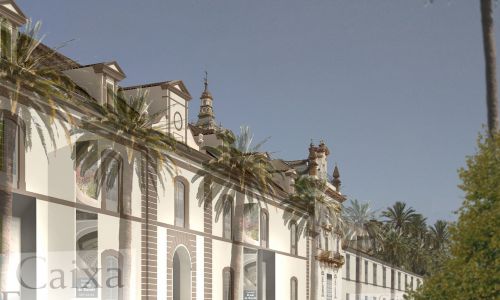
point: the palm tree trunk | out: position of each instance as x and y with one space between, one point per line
125 230
490 65
6 197
236 247
314 276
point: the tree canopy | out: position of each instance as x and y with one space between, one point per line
473 269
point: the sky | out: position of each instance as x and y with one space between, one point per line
394 88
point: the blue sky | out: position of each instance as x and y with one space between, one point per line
395 88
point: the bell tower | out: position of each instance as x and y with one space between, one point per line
206 116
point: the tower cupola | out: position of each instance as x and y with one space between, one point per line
206 116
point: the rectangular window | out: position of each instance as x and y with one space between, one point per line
347 296
5 40
411 283
329 286
399 280
384 277
15 157
228 219
392 279
180 205
112 183
251 223
406 281
366 271
358 269
293 237
5 126
375 274
264 229
110 90
348 266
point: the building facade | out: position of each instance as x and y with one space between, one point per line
367 278
144 237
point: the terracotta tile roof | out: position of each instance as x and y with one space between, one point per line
57 60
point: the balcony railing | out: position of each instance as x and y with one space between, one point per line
331 258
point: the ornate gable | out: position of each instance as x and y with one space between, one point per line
10 11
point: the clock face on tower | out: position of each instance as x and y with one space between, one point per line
177 121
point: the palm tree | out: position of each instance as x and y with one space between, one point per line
309 192
34 91
399 216
417 228
245 169
129 118
395 246
417 258
490 64
362 229
439 235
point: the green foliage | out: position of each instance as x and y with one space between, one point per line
362 229
237 159
28 73
402 238
127 117
309 192
473 269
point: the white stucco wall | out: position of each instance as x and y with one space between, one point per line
367 287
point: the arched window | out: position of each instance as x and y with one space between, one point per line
112 184
227 284
227 222
181 202
264 228
293 238
293 288
11 149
